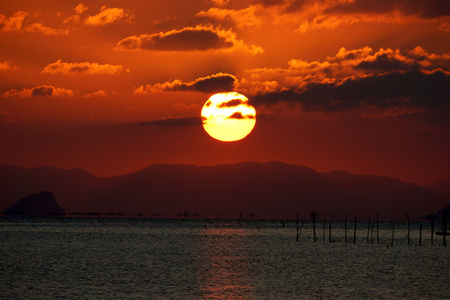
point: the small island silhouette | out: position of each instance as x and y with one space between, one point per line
43 203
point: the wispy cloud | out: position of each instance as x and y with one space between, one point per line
46 91
16 23
66 68
40 28
246 17
40 91
13 23
80 8
172 121
97 94
219 3
5 67
444 27
105 16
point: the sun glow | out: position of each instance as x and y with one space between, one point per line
228 117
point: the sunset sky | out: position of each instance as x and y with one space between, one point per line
115 86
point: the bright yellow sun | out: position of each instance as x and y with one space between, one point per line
228 117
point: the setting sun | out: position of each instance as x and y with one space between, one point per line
228 117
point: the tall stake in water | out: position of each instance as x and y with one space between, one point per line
444 220
407 217
368 230
432 227
314 226
297 228
371 233
354 232
345 226
329 233
378 240
420 235
323 236
392 244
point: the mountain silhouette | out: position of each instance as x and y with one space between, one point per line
267 190
442 187
40 204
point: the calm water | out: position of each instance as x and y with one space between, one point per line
47 258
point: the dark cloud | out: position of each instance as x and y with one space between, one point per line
187 39
170 121
215 83
220 82
231 103
413 89
386 63
426 9
365 6
297 5
269 2
237 115
42 91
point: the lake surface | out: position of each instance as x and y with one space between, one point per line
109 258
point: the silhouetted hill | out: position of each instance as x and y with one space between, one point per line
441 187
40 204
269 190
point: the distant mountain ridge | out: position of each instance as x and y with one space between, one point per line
441 187
268 190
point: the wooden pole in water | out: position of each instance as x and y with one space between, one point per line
345 226
420 235
297 228
323 235
432 227
371 233
329 232
407 217
368 230
314 226
301 225
392 244
378 239
354 232
444 227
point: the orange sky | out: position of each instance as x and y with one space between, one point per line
114 86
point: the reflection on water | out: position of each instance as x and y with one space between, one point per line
226 264
71 258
